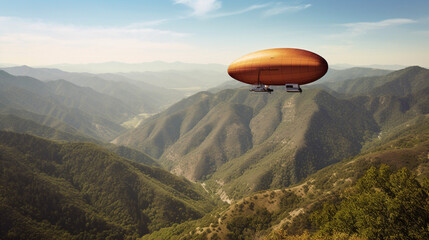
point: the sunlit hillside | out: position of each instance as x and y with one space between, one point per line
214 120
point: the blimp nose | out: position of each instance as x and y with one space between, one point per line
322 66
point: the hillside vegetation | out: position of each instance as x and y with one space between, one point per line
13 123
346 159
334 75
139 96
80 190
341 201
398 83
242 142
84 109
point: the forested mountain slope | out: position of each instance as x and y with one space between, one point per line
84 109
261 133
80 190
244 142
277 158
16 124
334 75
191 80
137 95
319 206
398 83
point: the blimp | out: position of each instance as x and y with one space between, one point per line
290 67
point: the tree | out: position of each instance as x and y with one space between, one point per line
382 205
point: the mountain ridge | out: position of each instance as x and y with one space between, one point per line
200 143
110 67
138 95
290 137
81 108
106 195
287 213
275 158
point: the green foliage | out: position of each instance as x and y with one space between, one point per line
185 230
240 141
253 142
396 83
80 190
289 201
338 76
245 227
382 205
84 109
283 235
137 95
13 123
133 154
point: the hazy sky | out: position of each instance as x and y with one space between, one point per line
359 32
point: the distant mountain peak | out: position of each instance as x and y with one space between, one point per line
375 66
116 67
413 68
408 70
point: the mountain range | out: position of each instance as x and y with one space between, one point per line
138 95
243 142
334 75
190 81
113 67
274 159
289 213
80 190
92 113
400 140
377 66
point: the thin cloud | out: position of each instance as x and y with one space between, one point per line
200 7
360 28
9 25
280 8
205 8
29 41
248 9
148 23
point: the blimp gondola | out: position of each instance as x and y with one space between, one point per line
290 67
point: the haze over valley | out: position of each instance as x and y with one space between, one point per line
228 146
118 120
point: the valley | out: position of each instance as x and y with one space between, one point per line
250 142
214 120
163 155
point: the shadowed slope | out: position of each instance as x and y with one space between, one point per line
80 188
253 141
84 109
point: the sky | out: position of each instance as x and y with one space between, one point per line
364 32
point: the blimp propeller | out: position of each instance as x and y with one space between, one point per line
290 67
